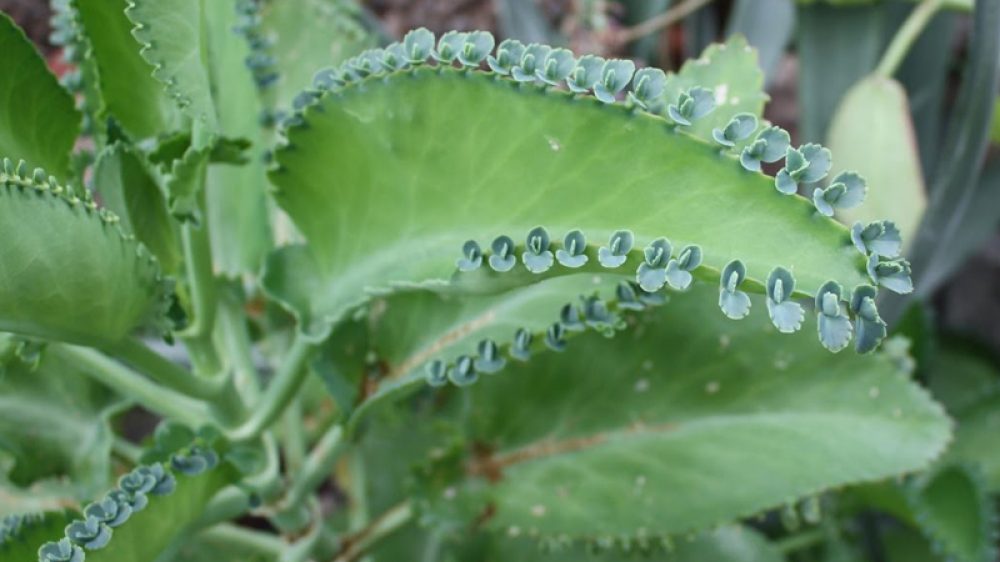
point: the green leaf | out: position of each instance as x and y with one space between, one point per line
174 41
403 161
768 26
995 129
236 196
837 46
38 120
54 423
699 401
872 134
955 512
129 92
128 189
731 71
308 36
20 537
184 183
68 272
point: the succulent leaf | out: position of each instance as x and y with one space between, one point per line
648 85
531 62
834 325
615 75
786 314
502 258
616 252
891 274
472 257
418 44
557 66
586 74
572 254
871 328
679 270
537 257
509 54
734 303
477 45
770 146
881 238
739 128
691 106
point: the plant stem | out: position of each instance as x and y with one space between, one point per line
293 436
198 336
658 22
243 540
237 348
798 541
317 466
126 449
166 372
356 544
905 37
153 397
279 393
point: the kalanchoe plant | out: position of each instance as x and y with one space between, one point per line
502 277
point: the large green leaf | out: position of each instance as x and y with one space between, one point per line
174 40
686 422
54 423
128 189
955 512
21 534
129 92
872 134
307 36
38 122
236 198
387 178
68 272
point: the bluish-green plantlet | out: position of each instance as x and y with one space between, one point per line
627 296
136 501
394 58
194 461
463 372
531 62
418 45
537 257
521 348
598 316
648 85
478 45
60 551
573 252
871 329
449 46
556 67
734 303
89 533
804 165
739 128
845 191
786 314
891 274
569 317
472 257
436 373
615 76
509 54
679 270
555 337
833 324
652 273
328 79
691 105
502 257
880 238
489 360
616 252
586 74
108 511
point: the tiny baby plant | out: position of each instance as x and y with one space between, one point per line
455 298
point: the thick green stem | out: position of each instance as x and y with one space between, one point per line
152 396
126 450
242 540
166 372
237 348
201 281
656 23
317 466
293 436
358 543
905 37
802 540
279 393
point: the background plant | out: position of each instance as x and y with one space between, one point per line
460 296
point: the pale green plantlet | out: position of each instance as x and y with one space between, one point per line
573 252
502 258
478 44
845 191
537 256
463 372
804 165
786 314
871 329
586 74
739 128
472 257
488 359
616 252
648 85
61 551
109 511
557 66
691 105
509 54
679 270
891 274
89 533
555 337
833 324
418 45
531 62
521 350
652 273
449 46
615 76
734 303
880 238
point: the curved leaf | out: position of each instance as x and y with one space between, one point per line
68 272
405 160
54 422
128 90
38 120
699 401
20 535
955 512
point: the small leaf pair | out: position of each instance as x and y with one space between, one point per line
846 191
786 314
807 164
769 146
739 128
891 274
658 269
469 49
691 105
880 238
